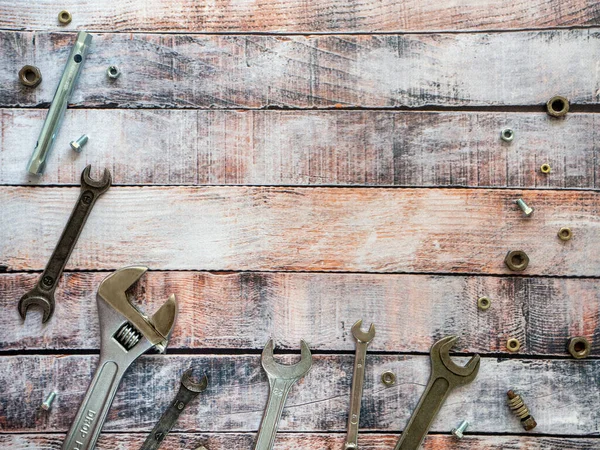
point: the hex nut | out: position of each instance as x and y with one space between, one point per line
113 72
557 106
65 17
545 168
513 345
529 423
579 347
30 76
388 378
565 234
507 135
516 260
484 303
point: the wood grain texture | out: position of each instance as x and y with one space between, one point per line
253 71
345 148
241 310
300 16
306 229
305 441
237 394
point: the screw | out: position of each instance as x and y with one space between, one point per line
79 143
507 135
524 207
48 402
458 432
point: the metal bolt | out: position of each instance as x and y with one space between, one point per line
458 432
79 143
507 135
48 402
524 207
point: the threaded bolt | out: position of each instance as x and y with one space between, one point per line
520 409
79 143
458 432
527 210
48 402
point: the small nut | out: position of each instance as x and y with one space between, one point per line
557 106
30 76
565 234
113 72
516 260
545 168
484 303
579 347
388 378
507 135
513 345
529 423
64 17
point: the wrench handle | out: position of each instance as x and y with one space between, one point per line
433 398
279 389
358 379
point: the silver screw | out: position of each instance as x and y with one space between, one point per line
458 432
79 143
48 402
526 209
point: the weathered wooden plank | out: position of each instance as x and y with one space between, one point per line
374 148
241 311
253 71
301 16
306 441
306 229
237 393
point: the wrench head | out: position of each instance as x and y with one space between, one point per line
32 298
443 365
188 382
283 371
101 185
360 335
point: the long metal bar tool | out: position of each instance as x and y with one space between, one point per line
37 162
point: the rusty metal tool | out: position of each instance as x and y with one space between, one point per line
281 379
362 342
445 376
126 334
42 294
188 390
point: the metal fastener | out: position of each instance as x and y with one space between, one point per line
388 378
513 345
79 143
507 134
64 17
557 106
113 72
484 303
527 210
579 347
519 409
516 260
48 402
30 76
458 432
545 168
565 234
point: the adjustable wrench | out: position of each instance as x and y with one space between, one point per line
362 342
281 379
42 294
126 334
188 390
445 376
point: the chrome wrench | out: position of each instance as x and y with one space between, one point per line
362 342
126 334
42 294
281 379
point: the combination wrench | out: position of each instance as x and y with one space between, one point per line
362 342
42 294
445 376
126 334
188 390
281 379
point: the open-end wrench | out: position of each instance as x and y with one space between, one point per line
188 390
362 342
126 334
42 294
281 379
445 376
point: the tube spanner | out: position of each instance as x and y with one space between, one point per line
445 376
362 342
281 379
42 294
126 334
188 390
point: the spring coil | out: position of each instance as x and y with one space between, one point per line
128 336
517 405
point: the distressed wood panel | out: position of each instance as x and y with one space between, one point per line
306 229
252 71
301 16
307 441
373 148
241 311
237 394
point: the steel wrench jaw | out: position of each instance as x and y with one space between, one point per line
34 299
360 335
190 385
286 372
101 185
440 357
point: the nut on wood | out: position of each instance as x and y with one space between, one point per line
64 17
557 106
579 347
565 234
516 260
30 76
484 303
513 345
